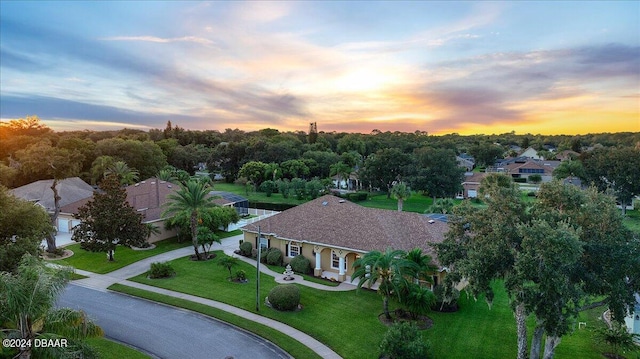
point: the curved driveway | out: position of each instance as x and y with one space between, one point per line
163 331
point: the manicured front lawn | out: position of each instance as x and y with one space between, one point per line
97 261
348 323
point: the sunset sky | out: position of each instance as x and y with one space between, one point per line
467 67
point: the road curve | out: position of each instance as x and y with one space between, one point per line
163 331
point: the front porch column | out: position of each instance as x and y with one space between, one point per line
341 276
318 269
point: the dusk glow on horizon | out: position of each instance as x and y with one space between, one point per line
565 67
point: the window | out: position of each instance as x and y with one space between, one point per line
294 250
264 243
335 261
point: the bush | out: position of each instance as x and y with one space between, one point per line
284 297
357 197
241 275
446 298
532 194
274 257
403 341
535 178
300 264
520 180
246 248
161 270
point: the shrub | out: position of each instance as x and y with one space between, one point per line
403 340
535 178
161 270
268 187
274 257
241 275
300 264
246 248
284 297
520 180
446 298
357 197
532 194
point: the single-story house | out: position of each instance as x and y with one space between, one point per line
531 153
333 233
70 190
147 197
633 320
471 184
466 161
522 167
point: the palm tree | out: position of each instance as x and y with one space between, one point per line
343 171
126 174
166 174
27 311
228 262
401 192
191 201
424 266
442 205
388 268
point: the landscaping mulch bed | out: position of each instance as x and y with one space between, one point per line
202 258
66 253
422 321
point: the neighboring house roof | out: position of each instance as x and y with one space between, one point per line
147 197
567 155
332 221
529 167
474 178
531 153
69 189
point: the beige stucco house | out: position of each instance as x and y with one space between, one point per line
333 233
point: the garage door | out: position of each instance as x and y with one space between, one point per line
74 223
63 225
473 193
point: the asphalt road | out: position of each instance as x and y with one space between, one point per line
163 331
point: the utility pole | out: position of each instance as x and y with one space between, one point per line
258 272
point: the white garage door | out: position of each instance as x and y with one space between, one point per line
74 223
473 193
63 225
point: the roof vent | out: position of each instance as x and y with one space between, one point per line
341 201
325 203
168 186
137 184
432 221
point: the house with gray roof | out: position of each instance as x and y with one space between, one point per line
333 233
69 189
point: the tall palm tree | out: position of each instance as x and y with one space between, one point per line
192 200
126 174
27 311
401 192
389 269
424 266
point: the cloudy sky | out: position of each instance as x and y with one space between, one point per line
467 67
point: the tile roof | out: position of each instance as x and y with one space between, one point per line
70 190
332 221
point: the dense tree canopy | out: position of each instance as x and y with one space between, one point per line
23 226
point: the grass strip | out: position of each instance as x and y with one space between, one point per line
288 344
109 349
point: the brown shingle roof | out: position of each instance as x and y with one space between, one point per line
332 221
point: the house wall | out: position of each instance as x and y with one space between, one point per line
164 233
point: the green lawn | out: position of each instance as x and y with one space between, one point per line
330 317
347 321
632 220
111 350
97 261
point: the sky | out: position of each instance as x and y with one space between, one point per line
467 67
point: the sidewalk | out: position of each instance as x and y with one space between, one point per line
103 281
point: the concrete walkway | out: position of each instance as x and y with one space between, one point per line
103 281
